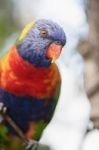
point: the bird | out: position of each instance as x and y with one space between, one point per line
30 81
73 61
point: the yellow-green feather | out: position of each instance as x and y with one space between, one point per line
25 31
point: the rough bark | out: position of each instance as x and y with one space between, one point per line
90 51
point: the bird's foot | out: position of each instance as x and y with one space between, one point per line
31 145
3 109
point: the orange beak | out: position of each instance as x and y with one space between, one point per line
53 51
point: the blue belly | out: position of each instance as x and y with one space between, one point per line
23 109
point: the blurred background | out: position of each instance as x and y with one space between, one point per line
80 20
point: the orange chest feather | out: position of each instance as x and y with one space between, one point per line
21 78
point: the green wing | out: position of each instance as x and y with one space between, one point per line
41 125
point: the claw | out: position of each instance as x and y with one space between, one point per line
3 108
31 145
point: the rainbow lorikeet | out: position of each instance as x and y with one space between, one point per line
30 79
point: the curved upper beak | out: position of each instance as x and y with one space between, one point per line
53 51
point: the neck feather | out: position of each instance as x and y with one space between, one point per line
23 68
22 78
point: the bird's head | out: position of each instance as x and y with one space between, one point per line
41 42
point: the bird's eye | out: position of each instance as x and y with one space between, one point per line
58 42
43 33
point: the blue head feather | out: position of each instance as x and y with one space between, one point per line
33 47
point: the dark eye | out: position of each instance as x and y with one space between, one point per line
58 42
43 33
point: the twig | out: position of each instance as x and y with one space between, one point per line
15 127
19 132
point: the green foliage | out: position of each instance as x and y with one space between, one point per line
6 29
4 140
9 142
